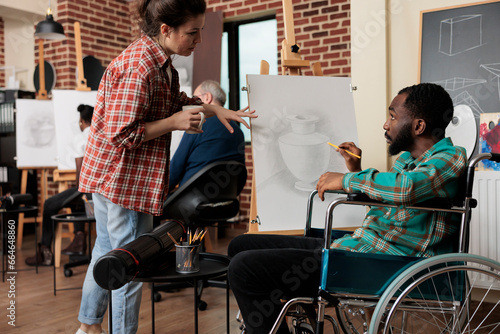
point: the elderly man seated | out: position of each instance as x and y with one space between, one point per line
267 268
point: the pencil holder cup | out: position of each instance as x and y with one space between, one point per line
89 208
187 258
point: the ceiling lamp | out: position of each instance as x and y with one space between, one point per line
49 29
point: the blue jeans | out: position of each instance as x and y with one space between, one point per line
116 226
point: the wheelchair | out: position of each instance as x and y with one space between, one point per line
378 293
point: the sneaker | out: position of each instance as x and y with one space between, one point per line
77 246
82 332
42 258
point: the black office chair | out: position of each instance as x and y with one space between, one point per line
210 196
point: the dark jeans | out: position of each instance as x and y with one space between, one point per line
53 205
267 268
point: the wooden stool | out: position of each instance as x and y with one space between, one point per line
22 220
63 230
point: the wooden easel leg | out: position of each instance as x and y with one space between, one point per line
57 245
253 227
43 194
209 248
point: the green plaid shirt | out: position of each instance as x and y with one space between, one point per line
402 231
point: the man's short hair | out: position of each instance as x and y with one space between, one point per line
432 103
213 87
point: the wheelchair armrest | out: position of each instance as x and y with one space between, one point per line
437 203
360 197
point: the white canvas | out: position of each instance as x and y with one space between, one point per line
35 134
184 67
67 120
288 162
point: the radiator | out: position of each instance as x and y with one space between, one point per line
485 221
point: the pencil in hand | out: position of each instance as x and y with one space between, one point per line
349 152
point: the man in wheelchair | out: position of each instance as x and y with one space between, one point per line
266 269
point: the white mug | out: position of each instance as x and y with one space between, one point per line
201 114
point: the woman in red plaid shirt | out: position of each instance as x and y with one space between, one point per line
127 157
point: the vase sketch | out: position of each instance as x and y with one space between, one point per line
304 151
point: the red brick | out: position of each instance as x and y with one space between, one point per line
319 4
330 9
311 13
107 34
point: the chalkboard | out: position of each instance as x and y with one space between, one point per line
460 49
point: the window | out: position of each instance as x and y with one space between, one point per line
244 45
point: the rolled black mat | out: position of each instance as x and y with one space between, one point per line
119 266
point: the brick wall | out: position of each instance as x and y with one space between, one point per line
2 53
105 33
322 28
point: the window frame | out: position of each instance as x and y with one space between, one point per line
232 30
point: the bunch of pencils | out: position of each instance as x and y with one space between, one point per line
193 240
196 238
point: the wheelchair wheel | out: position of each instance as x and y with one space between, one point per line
449 293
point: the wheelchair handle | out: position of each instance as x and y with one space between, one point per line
472 166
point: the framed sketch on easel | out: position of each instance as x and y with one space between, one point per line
36 143
298 116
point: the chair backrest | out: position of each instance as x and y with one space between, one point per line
209 196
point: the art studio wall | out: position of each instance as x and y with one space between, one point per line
385 58
322 28
18 40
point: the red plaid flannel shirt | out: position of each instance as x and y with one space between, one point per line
118 163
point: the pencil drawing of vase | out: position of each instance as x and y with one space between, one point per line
304 151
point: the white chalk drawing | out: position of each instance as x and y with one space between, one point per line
35 133
297 117
495 70
456 83
467 99
460 34
184 67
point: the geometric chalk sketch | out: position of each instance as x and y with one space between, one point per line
454 84
467 99
460 34
466 47
495 70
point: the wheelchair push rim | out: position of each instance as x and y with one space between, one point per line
451 310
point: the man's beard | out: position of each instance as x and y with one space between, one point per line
403 140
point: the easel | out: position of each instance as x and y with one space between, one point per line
42 92
43 194
81 82
63 177
292 63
